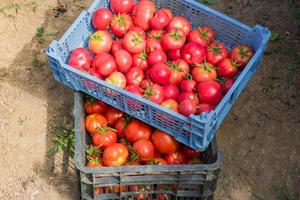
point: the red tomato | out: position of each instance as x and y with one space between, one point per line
121 124
190 153
144 148
171 104
117 79
188 86
94 162
228 68
123 60
104 137
176 158
169 12
137 30
179 22
134 42
94 106
157 161
116 46
142 13
95 73
112 115
145 84
174 54
210 92
160 20
193 53
145 6
135 76
104 64
121 6
204 107
171 91
202 35
179 70
187 107
204 72
228 84
115 155
134 89
120 24
189 95
173 40
154 93
160 73
156 56
94 122
100 42
137 130
164 143
101 18
140 60
216 52
156 34
241 54
80 59
152 45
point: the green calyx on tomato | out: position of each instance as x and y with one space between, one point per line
96 37
174 66
235 64
143 55
244 52
92 150
176 35
134 156
205 67
203 33
103 130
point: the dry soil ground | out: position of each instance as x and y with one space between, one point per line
260 136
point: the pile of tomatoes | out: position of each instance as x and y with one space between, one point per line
118 140
156 55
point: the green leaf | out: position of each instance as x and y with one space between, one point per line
275 36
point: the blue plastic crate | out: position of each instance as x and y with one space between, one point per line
181 182
194 131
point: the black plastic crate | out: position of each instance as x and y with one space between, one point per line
197 182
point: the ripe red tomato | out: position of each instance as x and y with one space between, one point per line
164 143
94 106
188 86
115 155
144 6
116 46
173 40
241 54
187 107
190 153
145 149
169 12
134 42
204 107
135 76
156 34
154 93
204 72
112 115
171 104
95 73
104 137
123 60
101 18
152 45
179 70
210 92
174 54
120 24
189 95
142 13
179 22
140 60
137 130
134 89
121 124
202 35
80 59
160 73
176 158
121 6
117 79
192 53
228 68
160 20
216 52
104 64
155 57
138 30
94 122
171 91
228 84
157 161
100 42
